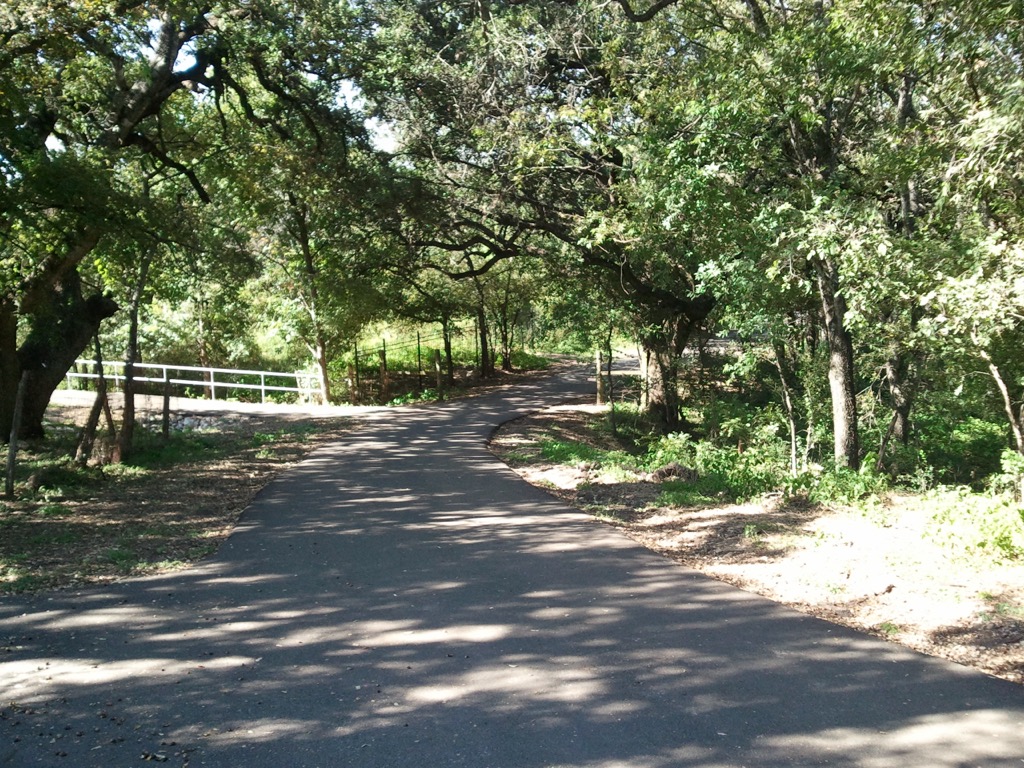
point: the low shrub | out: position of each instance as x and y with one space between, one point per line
526 361
964 453
725 470
975 524
838 485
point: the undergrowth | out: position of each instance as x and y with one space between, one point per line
741 459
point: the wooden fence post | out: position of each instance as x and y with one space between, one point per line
384 388
165 422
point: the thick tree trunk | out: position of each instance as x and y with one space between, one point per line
60 331
663 350
10 367
841 381
663 402
323 371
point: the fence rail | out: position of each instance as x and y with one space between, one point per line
175 376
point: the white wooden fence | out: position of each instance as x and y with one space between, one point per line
305 384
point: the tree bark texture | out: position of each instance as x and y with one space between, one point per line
61 325
896 379
10 367
449 364
486 360
663 349
841 380
12 447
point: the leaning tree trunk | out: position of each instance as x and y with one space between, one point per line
1014 414
61 328
897 378
841 381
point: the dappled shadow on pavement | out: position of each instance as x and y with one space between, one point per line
403 599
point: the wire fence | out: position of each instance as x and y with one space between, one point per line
379 370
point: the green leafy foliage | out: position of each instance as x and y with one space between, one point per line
963 452
972 524
571 452
425 396
839 486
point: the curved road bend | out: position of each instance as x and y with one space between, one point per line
402 599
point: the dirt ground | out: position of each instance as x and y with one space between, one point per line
875 571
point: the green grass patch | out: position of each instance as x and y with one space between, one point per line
572 452
527 361
51 536
152 452
17 580
675 493
54 510
889 629
299 431
121 557
425 396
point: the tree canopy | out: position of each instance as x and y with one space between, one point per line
838 181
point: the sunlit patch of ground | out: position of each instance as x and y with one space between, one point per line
873 569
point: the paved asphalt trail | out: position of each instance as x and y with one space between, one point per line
402 599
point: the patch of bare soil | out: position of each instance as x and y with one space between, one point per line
876 571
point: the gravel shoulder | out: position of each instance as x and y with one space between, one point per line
875 570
